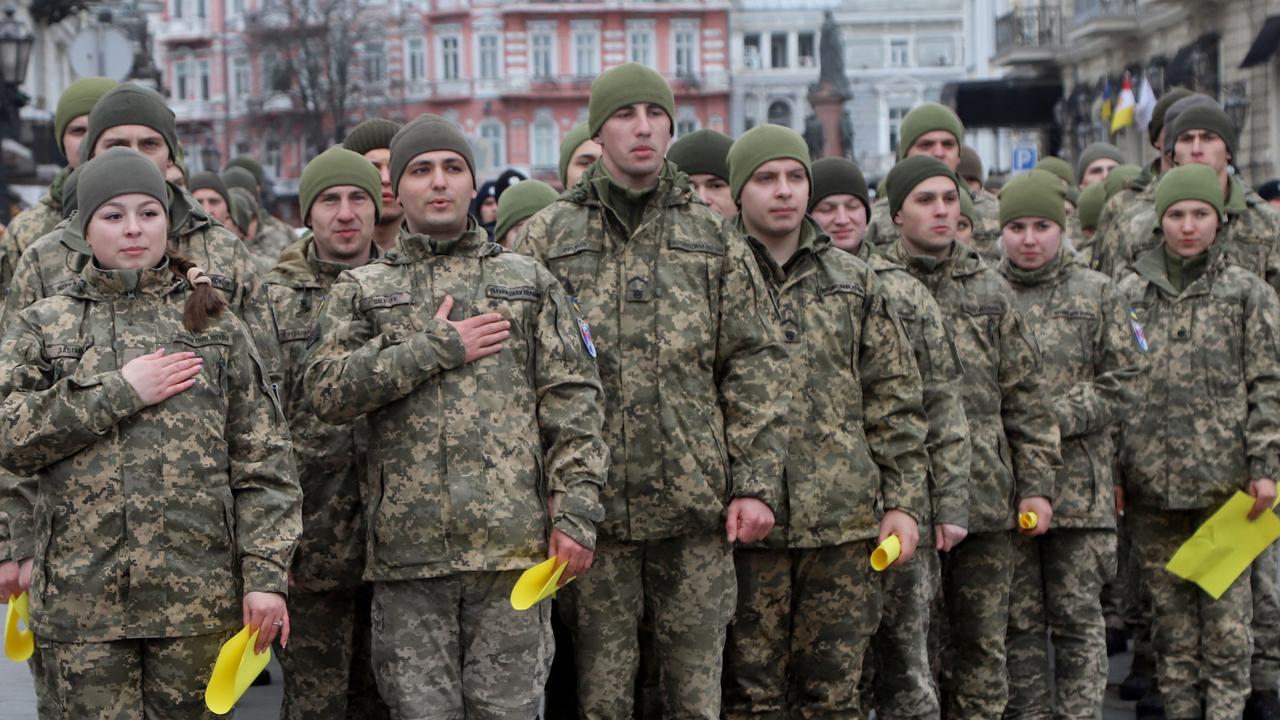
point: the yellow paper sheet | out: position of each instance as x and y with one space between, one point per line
236 669
1224 546
538 583
19 642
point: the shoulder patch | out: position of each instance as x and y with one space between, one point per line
522 292
1139 336
385 301
700 246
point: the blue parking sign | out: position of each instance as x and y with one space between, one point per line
1025 157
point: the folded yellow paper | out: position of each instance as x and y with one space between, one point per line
19 642
538 583
886 553
237 667
1224 546
1028 520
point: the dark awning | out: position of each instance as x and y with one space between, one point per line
1012 102
1264 46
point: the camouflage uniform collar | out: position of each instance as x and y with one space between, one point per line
97 282
71 237
53 197
1049 272
672 187
962 261
1151 265
186 214
473 242
327 268
1237 196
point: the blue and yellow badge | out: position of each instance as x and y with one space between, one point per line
1138 334
583 328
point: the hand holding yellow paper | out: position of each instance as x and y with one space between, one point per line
19 642
538 583
1028 520
1224 546
237 667
886 553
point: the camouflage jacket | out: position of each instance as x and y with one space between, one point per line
149 521
462 455
28 226
856 419
1013 434
948 438
691 354
1210 421
1093 367
1134 196
274 235
986 233
331 459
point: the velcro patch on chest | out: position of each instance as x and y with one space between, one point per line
692 245
222 282
1075 314
385 301
67 350
522 292
294 334
570 248
212 338
843 289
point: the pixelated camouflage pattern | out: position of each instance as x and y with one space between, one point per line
690 351
1108 255
28 226
274 235
150 521
331 459
856 419
1093 370
462 455
901 685
882 233
976 575
1210 420
1013 434
947 442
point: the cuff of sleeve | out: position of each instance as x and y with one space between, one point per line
446 343
952 512
1259 469
760 491
263 576
119 400
587 508
582 530
912 513
1036 485
17 549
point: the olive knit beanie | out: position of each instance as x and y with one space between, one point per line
244 207
966 207
1203 117
970 164
78 99
131 104
624 85
238 177
568 146
117 171
209 181
908 173
1120 176
338 166
1189 182
1093 153
371 134
1033 195
758 146
522 201
253 166
1089 210
426 133
1059 167
838 176
1170 97
702 152
927 118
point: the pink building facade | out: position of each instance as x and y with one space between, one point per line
514 75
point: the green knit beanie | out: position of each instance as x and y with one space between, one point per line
758 146
117 171
1170 97
1093 153
1033 195
244 208
906 174
1120 176
78 99
1089 210
426 133
253 166
521 201
702 152
627 84
1188 182
568 146
371 134
1176 109
238 177
1203 117
338 166
209 181
966 207
838 176
69 200
131 104
970 164
927 118
1059 167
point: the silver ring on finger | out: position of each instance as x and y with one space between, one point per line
278 623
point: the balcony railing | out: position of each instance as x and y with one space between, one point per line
187 28
1103 17
1030 27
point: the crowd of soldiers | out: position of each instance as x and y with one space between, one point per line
709 377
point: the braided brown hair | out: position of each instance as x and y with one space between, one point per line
204 302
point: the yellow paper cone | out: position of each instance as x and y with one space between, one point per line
885 555
237 667
1028 520
537 584
19 643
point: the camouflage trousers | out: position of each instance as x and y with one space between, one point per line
328 673
1057 590
1264 670
157 678
451 647
803 622
901 681
1203 646
688 586
975 590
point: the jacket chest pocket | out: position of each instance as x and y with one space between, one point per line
576 264
837 311
977 338
1215 334
1067 342
393 315
518 304
687 271
79 357
214 348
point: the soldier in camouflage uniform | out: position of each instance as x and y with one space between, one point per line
327 671
808 600
70 123
899 662
1092 364
695 376
168 507
372 139
274 234
703 156
485 439
1014 436
934 130
1096 162
1210 426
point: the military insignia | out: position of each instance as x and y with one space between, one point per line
584 329
1138 335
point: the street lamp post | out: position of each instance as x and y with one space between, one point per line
15 51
